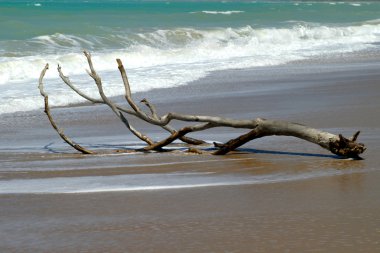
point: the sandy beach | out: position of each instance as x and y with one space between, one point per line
277 194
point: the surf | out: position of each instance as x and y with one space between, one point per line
160 53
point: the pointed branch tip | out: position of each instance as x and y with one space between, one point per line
355 136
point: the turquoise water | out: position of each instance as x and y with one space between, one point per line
22 20
166 44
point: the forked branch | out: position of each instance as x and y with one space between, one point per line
92 73
121 109
336 144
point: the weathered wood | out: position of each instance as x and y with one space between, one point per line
167 127
176 135
52 122
337 144
92 73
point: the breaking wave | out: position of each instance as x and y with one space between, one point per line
218 12
164 58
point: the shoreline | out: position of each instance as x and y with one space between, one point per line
333 213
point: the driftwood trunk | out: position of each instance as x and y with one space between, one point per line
337 144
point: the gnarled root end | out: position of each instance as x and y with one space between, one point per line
348 148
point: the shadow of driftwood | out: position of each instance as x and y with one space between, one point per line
138 147
50 149
274 152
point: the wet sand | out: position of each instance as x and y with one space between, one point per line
334 208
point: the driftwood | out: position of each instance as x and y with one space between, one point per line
52 122
337 144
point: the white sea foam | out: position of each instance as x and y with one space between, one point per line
165 58
372 22
218 12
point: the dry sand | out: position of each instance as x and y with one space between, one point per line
315 203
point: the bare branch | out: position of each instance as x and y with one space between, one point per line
337 144
168 128
355 136
155 116
54 125
175 116
155 119
176 135
128 95
107 101
151 107
67 81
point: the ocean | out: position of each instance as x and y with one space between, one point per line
166 44
315 63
